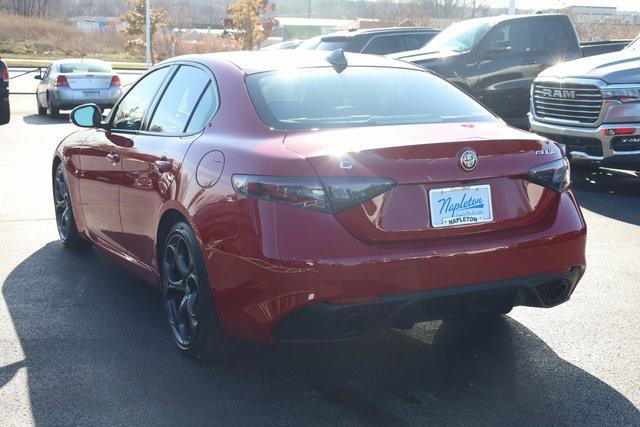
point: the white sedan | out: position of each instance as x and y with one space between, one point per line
71 82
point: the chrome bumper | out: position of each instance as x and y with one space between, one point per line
69 98
608 153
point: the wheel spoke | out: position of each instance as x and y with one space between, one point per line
175 281
177 285
184 326
182 307
172 312
182 261
192 305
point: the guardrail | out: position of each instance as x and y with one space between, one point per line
44 63
37 69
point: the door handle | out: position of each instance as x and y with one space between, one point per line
113 157
163 166
529 62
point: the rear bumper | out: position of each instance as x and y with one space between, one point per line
286 258
66 98
590 145
333 322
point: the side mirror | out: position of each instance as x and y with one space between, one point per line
38 77
499 47
87 116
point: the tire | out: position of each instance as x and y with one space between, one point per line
42 111
187 298
5 112
53 111
65 220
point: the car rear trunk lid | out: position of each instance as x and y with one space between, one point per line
89 81
422 158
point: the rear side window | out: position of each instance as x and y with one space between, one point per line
416 41
358 96
382 45
553 38
205 109
185 91
130 111
515 34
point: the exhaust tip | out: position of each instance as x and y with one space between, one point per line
557 292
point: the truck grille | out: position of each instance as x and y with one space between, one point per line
566 101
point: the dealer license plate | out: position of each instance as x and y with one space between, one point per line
460 205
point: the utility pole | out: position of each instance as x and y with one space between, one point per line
147 19
512 7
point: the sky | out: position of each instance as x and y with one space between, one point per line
633 5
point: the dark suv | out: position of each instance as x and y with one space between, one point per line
5 114
377 41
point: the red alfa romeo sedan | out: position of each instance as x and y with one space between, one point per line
299 197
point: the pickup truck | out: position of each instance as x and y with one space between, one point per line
496 59
375 41
592 106
5 114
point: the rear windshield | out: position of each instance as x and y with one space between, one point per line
358 96
333 44
84 67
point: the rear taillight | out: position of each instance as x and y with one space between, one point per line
346 192
61 81
555 175
4 73
115 81
324 194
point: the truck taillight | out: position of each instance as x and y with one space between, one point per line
4 73
323 194
61 81
617 131
115 81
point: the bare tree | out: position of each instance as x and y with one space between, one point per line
29 7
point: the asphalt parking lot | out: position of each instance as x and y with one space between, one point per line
82 341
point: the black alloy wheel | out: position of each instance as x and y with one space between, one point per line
65 220
181 290
62 204
188 300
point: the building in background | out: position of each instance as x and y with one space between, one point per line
303 28
601 15
88 24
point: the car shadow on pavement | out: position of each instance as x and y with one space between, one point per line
36 119
97 351
614 194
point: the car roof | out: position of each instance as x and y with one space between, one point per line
76 60
390 30
252 62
